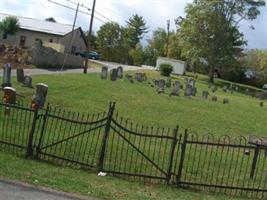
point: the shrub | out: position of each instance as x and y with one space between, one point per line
165 69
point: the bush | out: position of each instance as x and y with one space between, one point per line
165 69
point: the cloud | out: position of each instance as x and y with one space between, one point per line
155 12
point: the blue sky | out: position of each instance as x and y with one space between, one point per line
155 12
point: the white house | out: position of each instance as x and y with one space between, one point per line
179 66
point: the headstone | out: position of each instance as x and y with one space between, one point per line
261 104
214 98
224 88
225 101
176 89
247 91
156 83
188 90
28 81
130 78
120 72
192 82
205 94
9 98
104 72
40 95
9 95
6 75
113 74
169 83
161 86
138 77
236 88
20 75
261 95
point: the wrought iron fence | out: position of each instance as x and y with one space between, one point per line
109 143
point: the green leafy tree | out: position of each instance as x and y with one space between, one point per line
137 55
9 26
156 46
136 28
209 32
111 44
255 61
51 19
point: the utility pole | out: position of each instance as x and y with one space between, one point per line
168 34
71 38
89 37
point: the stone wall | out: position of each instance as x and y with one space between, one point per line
47 57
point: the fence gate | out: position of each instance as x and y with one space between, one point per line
227 165
138 151
70 137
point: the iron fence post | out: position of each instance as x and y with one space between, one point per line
181 164
38 148
254 162
105 137
174 142
29 152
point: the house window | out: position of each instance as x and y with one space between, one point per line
51 40
73 49
22 41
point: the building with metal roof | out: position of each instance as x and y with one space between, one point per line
52 34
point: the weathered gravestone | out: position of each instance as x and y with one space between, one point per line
205 94
169 83
9 98
20 75
129 78
104 72
261 104
214 98
6 75
120 72
40 96
192 82
113 74
225 101
224 88
188 90
138 77
28 81
176 89
161 86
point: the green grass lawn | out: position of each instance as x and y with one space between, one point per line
140 103
89 184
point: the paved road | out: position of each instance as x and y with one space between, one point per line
110 65
13 190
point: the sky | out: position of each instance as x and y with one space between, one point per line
155 13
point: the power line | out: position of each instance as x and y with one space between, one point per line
68 7
82 5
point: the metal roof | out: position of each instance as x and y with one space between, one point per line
41 25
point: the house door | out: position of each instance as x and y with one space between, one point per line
22 41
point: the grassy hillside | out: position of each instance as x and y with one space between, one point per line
141 103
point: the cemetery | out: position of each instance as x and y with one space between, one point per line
149 99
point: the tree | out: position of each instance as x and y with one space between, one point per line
209 32
156 46
9 26
255 61
110 42
137 55
50 19
136 28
